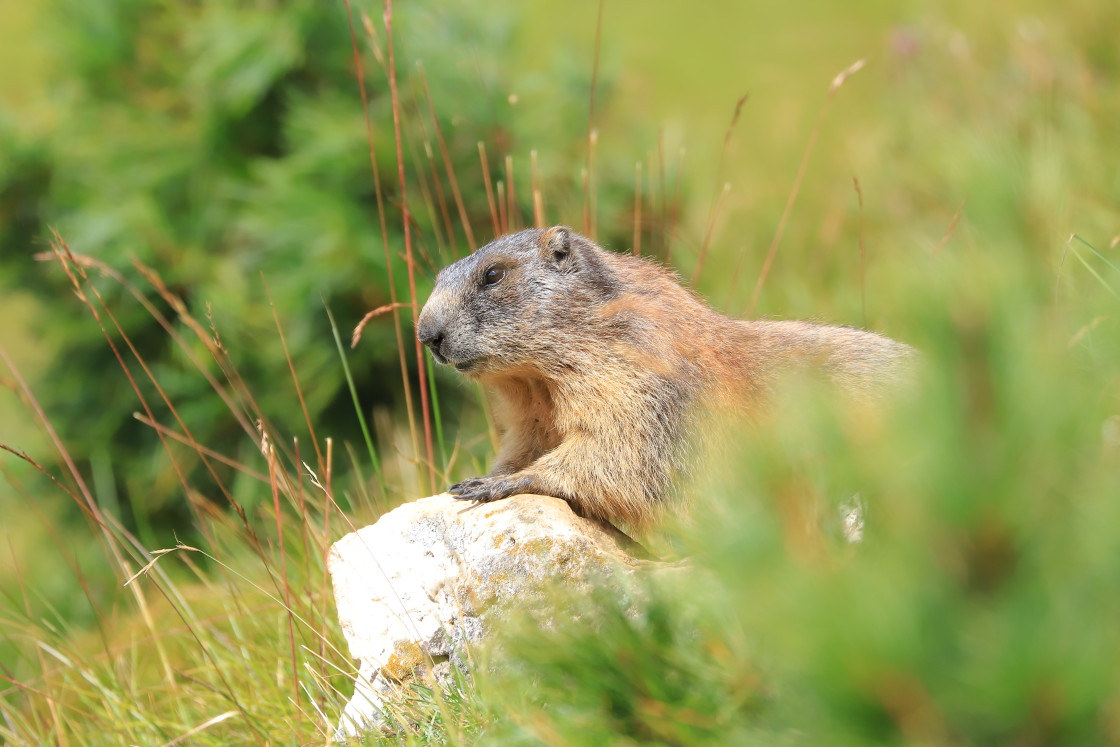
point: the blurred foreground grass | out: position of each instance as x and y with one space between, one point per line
939 205
979 608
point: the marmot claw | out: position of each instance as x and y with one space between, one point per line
489 488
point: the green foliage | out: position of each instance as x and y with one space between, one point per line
213 651
646 667
222 143
978 609
980 606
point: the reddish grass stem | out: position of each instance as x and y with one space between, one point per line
494 219
295 376
401 358
421 378
662 199
513 221
837 82
723 190
274 483
862 257
538 197
637 243
588 223
447 165
949 231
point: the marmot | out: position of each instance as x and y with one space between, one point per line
600 362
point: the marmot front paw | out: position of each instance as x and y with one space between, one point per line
490 487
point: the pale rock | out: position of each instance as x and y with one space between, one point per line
432 575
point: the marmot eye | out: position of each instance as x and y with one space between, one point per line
494 275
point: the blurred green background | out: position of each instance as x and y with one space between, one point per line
223 142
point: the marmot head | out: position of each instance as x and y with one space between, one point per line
520 302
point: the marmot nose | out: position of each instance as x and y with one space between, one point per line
430 336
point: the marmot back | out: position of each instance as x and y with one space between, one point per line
600 363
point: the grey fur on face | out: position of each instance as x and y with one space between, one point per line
486 311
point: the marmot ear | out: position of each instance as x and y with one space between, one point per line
556 244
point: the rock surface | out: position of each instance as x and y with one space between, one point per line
431 575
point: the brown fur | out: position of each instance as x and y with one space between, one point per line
601 362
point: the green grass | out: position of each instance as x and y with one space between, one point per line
980 609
